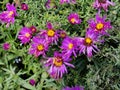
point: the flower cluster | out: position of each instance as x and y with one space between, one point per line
41 41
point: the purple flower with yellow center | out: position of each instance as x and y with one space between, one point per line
57 65
74 88
87 44
62 33
33 29
38 47
9 15
99 25
98 4
25 35
24 6
69 47
50 4
50 35
73 18
6 46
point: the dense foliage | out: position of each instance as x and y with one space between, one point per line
17 67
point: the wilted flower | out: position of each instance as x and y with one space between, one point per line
74 18
6 46
87 44
50 35
98 4
57 65
24 6
73 88
38 47
50 4
99 25
9 15
32 82
33 29
62 33
25 35
69 47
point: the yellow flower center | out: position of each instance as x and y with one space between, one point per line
88 41
73 20
40 47
70 46
99 26
57 61
27 35
10 13
50 33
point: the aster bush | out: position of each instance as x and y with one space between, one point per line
59 45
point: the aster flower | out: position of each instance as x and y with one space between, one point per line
25 35
99 25
9 15
64 1
98 4
24 6
69 47
50 4
33 29
62 33
32 82
57 65
50 35
6 46
73 18
38 47
87 44
73 88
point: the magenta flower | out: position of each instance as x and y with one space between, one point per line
32 82
69 47
24 6
50 35
62 33
99 25
25 35
6 46
57 65
33 29
50 4
38 47
87 44
64 1
73 88
9 15
98 4
73 18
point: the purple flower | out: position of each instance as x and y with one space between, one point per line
24 6
87 44
38 47
25 35
67 1
57 65
9 15
73 88
73 18
6 46
98 4
50 4
32 82
99 25
69 47
50 35
62 33
33 29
